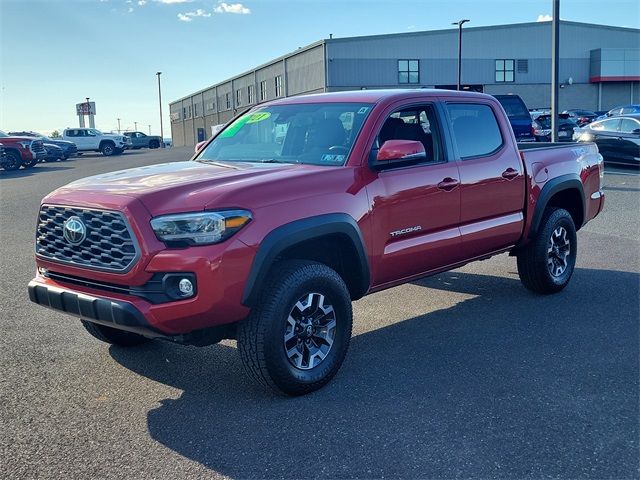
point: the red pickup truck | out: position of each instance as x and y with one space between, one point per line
300 206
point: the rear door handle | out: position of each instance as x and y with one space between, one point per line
448 184
510 173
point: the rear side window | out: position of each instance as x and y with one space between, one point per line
475 129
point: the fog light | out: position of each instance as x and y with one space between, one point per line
185 287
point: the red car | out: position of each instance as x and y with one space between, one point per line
300 206
21 151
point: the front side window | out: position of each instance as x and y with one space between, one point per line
315 134
414 123
505 71
475 129
408 71
628 125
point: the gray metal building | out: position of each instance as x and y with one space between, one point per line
599 69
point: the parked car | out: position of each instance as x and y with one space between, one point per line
69 149
623 110
618 138
92 140
21 151
269 243
141 140
519 117
542 128
581 117
54 153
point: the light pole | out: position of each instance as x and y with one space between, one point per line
118 126
135 126
160 104
459 23
555 60
149 129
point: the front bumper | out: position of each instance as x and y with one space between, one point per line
114 313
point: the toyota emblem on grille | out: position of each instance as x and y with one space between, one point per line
74 230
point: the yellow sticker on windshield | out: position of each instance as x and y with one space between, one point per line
258 117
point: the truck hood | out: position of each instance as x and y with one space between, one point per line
177 186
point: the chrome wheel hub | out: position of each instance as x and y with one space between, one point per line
310 332
558 251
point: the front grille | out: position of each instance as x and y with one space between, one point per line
109 244
37 146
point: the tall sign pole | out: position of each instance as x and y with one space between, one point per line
160 103
555 61
460 23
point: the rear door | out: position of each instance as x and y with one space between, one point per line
492 177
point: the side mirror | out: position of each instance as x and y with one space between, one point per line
401 150
200 145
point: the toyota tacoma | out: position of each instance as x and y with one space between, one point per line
300 206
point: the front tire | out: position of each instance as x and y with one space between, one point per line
30 164
296 337
12 162
546 264
114 336
108 149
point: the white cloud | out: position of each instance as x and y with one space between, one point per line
169 2
188 16
237 8
130 10
544 18
142 2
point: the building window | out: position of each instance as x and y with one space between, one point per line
238 97
278 85
505 71
211 106
184 112
251 94
189 111
195 109
228 99
408 71
263 90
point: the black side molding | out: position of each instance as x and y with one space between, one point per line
300 231
564 182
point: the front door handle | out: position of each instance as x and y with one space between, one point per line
448 184
510 173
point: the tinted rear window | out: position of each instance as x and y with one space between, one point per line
514 107
475 129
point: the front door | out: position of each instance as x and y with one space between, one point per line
630 140
605 135
416 208
492 177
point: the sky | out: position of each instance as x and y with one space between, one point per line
55 53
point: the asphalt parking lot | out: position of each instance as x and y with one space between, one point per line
465 374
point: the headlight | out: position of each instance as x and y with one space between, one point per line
203 228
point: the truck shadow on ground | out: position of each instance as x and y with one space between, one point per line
506 383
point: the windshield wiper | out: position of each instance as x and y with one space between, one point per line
273 160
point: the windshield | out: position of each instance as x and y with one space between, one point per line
315 134
2 134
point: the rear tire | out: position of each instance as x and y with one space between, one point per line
546 264
114 336
296 337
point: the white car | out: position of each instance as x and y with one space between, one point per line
92 140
